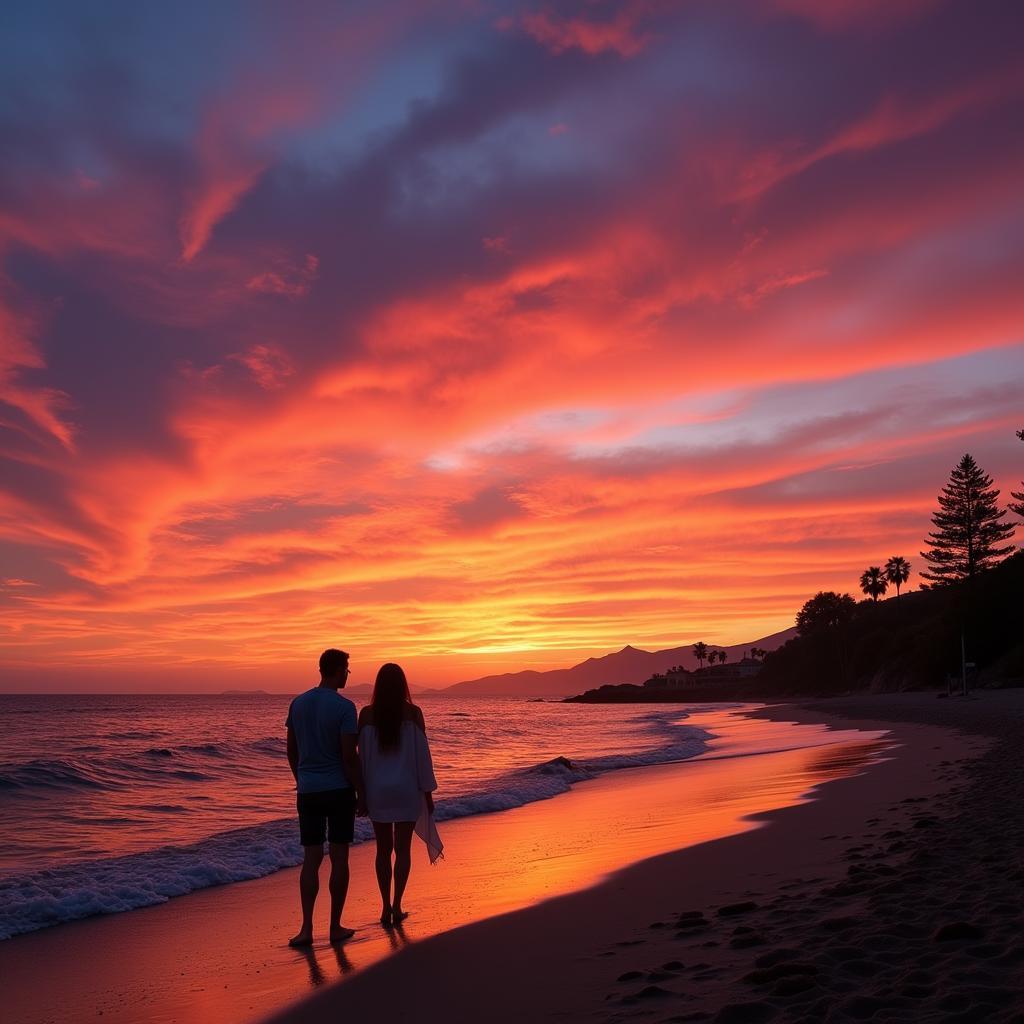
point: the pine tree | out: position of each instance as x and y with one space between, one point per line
968 536
1018 505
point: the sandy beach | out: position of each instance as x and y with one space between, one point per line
895 896
871 900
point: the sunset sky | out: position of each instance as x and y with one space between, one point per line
481 335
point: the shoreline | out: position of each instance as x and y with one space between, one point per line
221 951
866 902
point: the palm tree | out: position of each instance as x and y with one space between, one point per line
700 652
897 572
873 582
722 657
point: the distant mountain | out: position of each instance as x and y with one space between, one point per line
630 665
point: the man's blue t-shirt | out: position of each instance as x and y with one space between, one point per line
319 718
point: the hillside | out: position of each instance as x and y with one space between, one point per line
630 665
911 642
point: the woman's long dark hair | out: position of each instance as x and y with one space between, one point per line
390 697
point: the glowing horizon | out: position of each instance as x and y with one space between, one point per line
489 336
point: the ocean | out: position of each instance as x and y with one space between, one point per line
113 802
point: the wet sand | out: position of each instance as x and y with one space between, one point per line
896 896
221 954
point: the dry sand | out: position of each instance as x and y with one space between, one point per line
894 897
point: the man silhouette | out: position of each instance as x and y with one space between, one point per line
322 754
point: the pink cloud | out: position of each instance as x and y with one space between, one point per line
43 406
268 364
233 150
495 243
619 33
291 282
894 119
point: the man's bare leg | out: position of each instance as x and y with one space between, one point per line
339 890
309 886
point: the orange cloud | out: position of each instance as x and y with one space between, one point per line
44 407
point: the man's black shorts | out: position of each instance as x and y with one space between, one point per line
329 814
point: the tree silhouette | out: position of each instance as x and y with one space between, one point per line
897 572
825 611
722 656
1018 505
968 536
825 618
700 652
873 582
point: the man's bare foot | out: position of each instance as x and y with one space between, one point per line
304 938
398 914
341 934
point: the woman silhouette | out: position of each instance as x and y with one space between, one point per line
399 782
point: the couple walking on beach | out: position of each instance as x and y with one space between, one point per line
376 764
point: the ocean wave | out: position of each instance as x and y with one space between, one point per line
42 774
272 745
113 885
190 762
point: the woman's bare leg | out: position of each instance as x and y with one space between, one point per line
384 831
403 864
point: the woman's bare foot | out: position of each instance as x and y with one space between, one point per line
304 938
385 917
398 914
340 934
